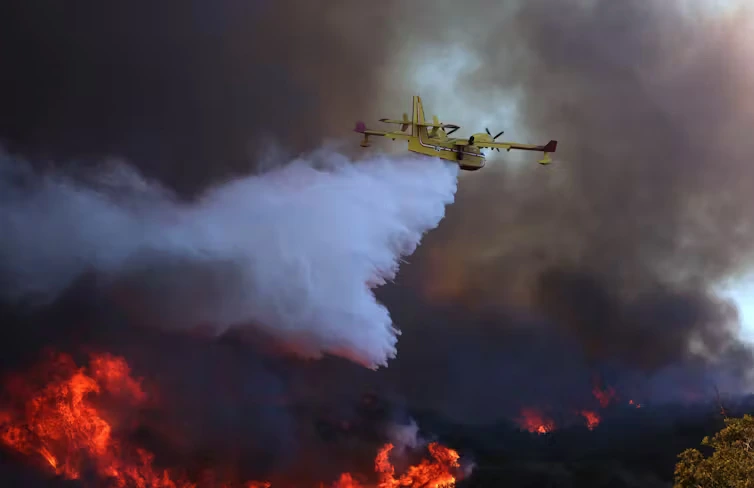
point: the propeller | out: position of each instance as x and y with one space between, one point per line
493 139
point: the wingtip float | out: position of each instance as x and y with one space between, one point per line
466 152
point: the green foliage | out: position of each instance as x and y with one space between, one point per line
731 464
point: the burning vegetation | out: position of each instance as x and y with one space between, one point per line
536 421
74 422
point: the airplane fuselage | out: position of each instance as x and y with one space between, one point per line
468 158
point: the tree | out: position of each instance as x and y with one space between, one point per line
731 464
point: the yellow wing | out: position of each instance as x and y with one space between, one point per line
548 148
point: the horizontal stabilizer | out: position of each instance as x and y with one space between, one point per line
405 123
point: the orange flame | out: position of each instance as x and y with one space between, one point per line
535 422
345 481
435 474
60 423
592 419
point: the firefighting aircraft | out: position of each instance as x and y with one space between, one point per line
466 152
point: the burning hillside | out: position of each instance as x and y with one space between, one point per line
538 421
77 422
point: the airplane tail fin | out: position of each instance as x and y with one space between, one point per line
418 118
550 147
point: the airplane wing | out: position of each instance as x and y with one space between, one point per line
452 127
440 126
548 148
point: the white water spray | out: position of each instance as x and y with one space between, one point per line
293 252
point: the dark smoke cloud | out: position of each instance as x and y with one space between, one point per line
621 242
605 260
191 92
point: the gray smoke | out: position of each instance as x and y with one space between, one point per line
614 253
622 243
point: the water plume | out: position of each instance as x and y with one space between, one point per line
294 252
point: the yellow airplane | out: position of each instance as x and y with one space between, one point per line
466 152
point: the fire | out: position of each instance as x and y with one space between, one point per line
345 481
604 396
61 425
535 422
592 419
428 474
61 421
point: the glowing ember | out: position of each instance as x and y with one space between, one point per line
604 396
345 481
58 421
592 419
633 403
535 422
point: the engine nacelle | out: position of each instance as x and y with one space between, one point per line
481 137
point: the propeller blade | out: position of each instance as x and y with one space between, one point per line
498 135
471 141
488 131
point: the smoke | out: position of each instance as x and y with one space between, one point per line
609 259
172 86
405 436
293 252
616 249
